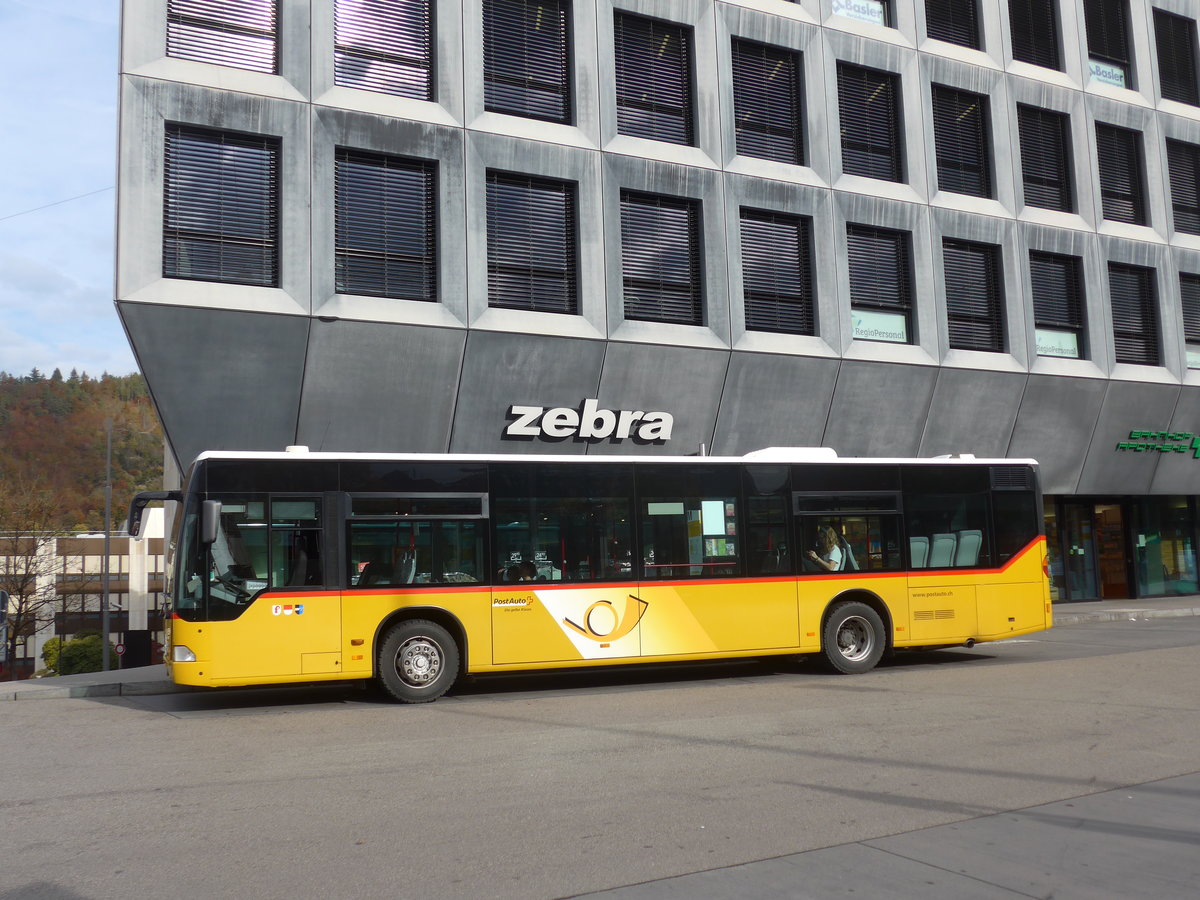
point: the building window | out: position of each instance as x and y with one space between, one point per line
767 107
526 68
385 226
220 206
242 34
531 230
1134 313
1175 38
962 136
1189 296
1107 23
870 122
1056 283
953 21
654 79
660 258
877 12
1046 158
881 287
974 296
777 272
1122 185
384 46
1183 171
1034 27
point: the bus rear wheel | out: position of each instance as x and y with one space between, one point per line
418 661
853 639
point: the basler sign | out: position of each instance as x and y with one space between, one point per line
588 422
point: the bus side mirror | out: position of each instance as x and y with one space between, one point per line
210 520
139 503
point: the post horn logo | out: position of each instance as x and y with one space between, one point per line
604 622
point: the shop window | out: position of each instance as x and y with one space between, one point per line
384 46
526 63
1135 314
1175 40
1107 25
974 296
777 272
767 102
221 206
1056 284
654 79
962 137
532 243
660 258
1183 172
1189 296
1122 183
385 226
953 21
880 262
242 35
1046 158
868 106
1034 28
1164 546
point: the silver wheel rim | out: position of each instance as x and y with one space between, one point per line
419 661
855 638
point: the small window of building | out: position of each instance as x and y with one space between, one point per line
385 226
1175 39
974 296
1189 296
242 35
1135 314
777 272
877 12
1122 183
868 105
1056 283
654 79
767 95
526 62
532 245
953 21
1107 24
384 47
1034 28
1046 158
1183 171
880 262
962 136
660 258
220 206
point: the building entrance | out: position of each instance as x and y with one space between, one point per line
1093 551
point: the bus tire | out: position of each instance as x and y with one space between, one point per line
852 640
418 661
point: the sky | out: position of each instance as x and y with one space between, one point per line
58 126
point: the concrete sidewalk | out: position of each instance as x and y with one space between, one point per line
154 680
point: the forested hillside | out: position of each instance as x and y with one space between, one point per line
52 440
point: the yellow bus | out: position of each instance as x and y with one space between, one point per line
413 570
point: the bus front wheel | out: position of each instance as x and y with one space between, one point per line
853 639
418 661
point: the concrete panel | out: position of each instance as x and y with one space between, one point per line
1054 426
683 381
1179 473
1127 405
879 409
379 387
501 369
972 412
773 401
221 380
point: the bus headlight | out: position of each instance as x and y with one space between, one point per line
180 653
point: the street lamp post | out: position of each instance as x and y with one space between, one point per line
108 427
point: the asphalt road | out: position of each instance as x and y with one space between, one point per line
1063 764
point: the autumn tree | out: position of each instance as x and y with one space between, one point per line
27 559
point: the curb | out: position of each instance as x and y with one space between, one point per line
1124 615
87 691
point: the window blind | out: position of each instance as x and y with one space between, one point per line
953 21
384 46
1134 313
767 96
1045 158
1119 156
660 258
654 79
526 69
1175 40
1189 295
777 272
238 33
532 243
1183 172
870 122
962 138
974 296
1033 25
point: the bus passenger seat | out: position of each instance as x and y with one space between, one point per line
941 551
918 548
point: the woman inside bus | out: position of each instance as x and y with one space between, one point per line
828 555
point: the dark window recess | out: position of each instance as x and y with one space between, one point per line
385 225
767 105
1135 314
974 296
1034 27
654 79
1046 158
241 34
526 67
1107 24
962 136
384 46
777 272
1183 171
1175 39
870 122
880 262
1189 295
1122 191
531 229
953 21
660 258
1056 283
220 206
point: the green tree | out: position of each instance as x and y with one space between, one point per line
50 653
